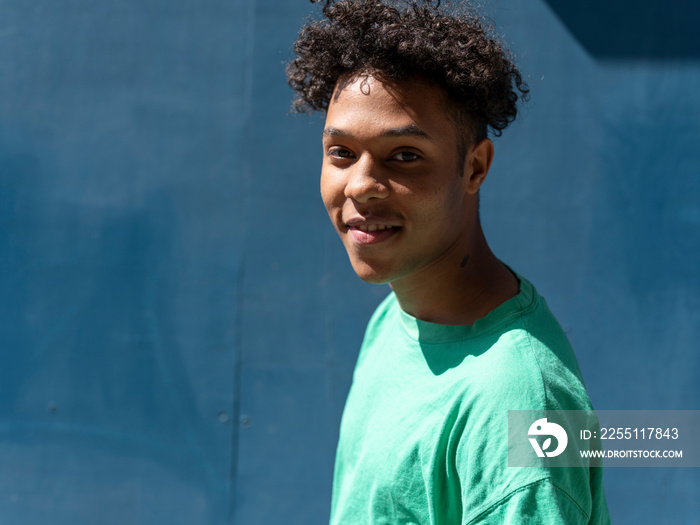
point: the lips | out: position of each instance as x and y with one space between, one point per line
373 231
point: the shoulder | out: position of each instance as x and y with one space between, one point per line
379 324
383 312
528 362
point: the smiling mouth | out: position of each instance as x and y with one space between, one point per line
372 233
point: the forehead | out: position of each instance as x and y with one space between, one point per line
366 101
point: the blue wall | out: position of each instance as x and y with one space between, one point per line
179 322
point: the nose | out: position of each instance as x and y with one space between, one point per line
365 181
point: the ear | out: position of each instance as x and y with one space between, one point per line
477 164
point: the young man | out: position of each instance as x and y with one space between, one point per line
409 92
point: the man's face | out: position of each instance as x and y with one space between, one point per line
391 179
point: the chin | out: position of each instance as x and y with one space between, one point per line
371 274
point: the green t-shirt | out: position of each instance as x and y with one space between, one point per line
424 435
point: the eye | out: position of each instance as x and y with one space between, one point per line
405 156
340 153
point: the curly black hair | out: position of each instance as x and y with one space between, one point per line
396 40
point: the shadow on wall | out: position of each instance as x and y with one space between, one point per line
626 29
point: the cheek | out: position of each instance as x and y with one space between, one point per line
443 212
331 191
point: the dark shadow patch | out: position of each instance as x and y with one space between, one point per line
649 29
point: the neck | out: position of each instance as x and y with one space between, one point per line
463 285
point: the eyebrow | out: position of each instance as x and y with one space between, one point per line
405 131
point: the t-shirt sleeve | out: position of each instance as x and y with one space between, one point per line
540 502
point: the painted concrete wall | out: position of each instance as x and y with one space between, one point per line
179 323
